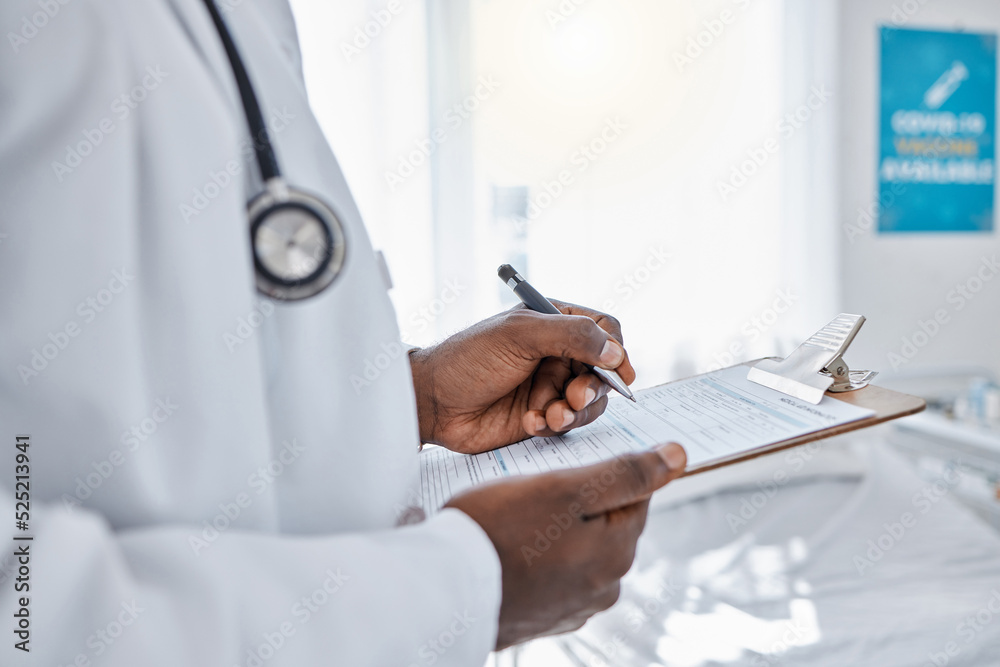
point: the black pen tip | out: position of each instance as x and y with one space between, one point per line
506 272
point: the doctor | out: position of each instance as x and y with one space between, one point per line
206 484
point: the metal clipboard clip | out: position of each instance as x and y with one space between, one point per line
817 365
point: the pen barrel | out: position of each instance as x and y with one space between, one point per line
612 379
533 299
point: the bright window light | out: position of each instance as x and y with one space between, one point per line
616 125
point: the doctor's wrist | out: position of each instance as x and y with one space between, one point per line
422 370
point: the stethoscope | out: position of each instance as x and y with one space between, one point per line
298 242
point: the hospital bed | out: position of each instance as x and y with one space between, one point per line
858 559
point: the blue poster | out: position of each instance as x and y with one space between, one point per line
937 127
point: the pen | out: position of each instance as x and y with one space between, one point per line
531 298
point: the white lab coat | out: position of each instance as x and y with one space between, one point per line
215 479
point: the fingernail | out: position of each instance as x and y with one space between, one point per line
568 418
540 423
612 354
673 455
588 396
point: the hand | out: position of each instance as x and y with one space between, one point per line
516 375
565 539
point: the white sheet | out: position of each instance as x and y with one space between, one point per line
795 580
715 416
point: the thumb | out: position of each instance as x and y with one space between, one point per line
631 478
574 337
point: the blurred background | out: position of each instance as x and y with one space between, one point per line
705 171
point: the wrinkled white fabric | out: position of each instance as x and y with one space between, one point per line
232 467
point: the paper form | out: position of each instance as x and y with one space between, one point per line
713 416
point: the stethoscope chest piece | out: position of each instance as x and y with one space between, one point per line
298 242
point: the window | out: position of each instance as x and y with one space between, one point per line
660 161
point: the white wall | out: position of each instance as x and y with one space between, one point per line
899 280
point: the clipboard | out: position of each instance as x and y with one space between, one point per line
444 473
887 404
816 369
